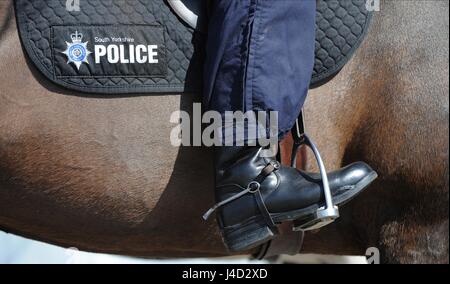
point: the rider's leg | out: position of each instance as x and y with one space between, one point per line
260 58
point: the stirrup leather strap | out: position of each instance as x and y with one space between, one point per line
252 188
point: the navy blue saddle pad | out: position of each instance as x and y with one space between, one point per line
141 46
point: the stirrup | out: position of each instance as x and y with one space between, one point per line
324 215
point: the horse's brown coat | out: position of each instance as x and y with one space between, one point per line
99 173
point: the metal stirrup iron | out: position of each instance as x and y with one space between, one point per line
325 215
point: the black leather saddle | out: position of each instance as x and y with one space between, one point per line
155 46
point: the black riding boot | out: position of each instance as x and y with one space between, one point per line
254 194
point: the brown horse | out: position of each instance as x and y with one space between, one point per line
100 174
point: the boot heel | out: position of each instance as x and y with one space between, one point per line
247 235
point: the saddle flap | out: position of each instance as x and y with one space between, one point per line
142 46
111 47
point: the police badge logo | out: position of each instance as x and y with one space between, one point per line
77 52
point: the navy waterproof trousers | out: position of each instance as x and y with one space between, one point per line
260 57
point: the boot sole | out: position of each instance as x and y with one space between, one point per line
339 200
